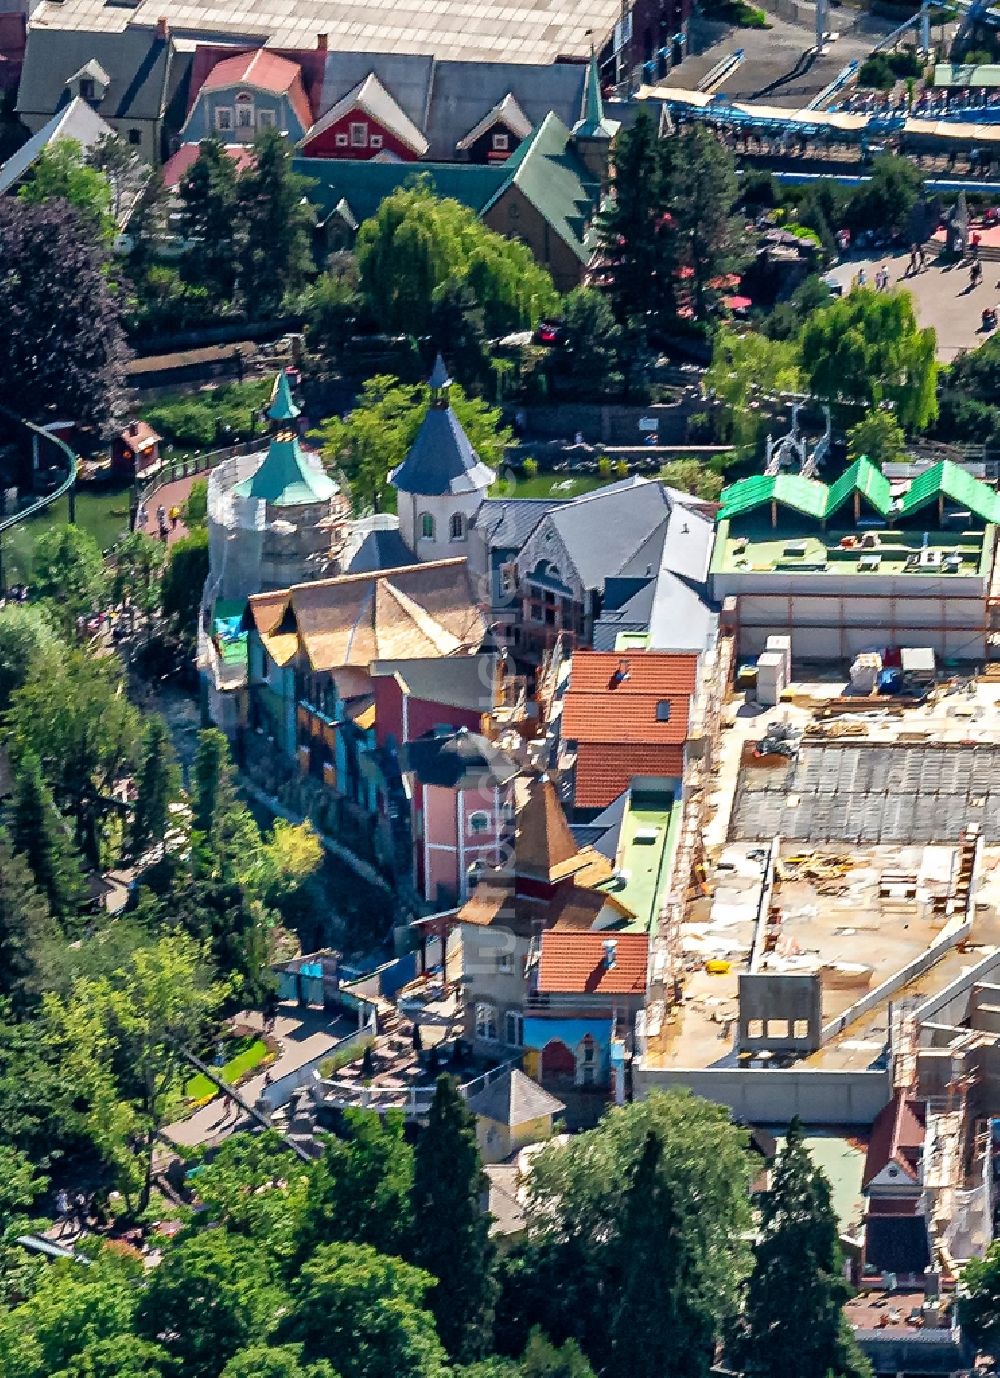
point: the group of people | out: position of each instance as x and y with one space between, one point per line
880 281
162 516
918 260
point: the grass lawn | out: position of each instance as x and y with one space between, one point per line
101 511
549 485
199 1088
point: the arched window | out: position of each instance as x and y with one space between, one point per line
426 526
457 527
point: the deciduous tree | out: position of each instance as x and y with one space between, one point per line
744 369
69 573
64 352
183 581
360 1192
26 634
25 925
61 172
868 347
450 1231
878 436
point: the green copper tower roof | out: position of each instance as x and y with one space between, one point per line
282 406
287 477
591 124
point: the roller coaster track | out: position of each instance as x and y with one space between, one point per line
67 485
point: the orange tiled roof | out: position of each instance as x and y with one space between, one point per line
266 71
605 770
614 698
575 964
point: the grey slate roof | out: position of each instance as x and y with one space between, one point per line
406 76
456 760
380 550
506 523
463 92
76 121
602 530
602 833
455 681
441 459
137 61
513 1099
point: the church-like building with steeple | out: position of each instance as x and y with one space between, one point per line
442 482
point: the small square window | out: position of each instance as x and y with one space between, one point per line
801 1028
755 1028
501 142
341 140
663 710
505 963
265 119
777 1028
135 137
359 135
375 141
224 117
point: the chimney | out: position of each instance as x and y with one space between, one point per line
133 428
162 27
610 946
322 42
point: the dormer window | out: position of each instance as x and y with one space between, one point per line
88 91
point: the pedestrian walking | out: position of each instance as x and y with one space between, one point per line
974 243
922 256
142 517
62 1211
912 265
862 278
175 516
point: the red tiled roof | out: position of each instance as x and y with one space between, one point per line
897 1137
260 68
614 698
575 963
178 163
603 771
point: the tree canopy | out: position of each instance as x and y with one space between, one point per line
375 436
416 242
61 172
869 348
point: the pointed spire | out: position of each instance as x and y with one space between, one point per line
591 124
439 382
282 406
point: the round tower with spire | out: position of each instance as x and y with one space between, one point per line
442 482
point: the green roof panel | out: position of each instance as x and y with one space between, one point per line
862 477
946 479
287 478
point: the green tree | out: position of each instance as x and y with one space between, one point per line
157 787
137 562
879 436
209 221
122 1039
794 1322
330 306
710 237
72 712
868 347
360 1192
278 1361
277 222
542 1359
365 1314
70 1310
745 368
25 925
637 234
194 510
183 581
588 364
120 1356
692 476
125 172
979 1308
26 635
69 573
568 1276
374 438
451 1232
212 1295
20 1185
254 1188
36 1102
416 242
38 832
665 1320
458 328
885 200
62 172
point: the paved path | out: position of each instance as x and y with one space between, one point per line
303 1034
170 495
941 297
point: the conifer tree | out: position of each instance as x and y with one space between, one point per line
451 1232
25 923
661 1325
38 831
795 1327
158 784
